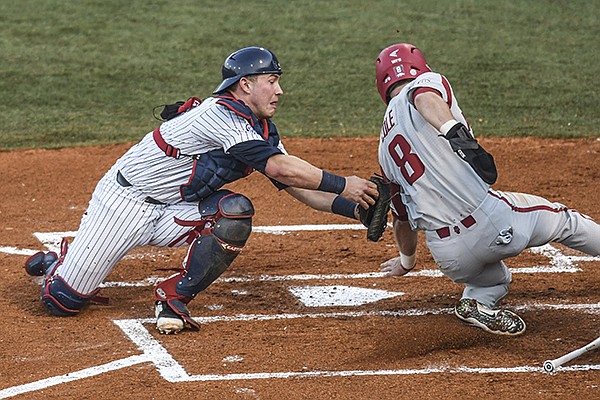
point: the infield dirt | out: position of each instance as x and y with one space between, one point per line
48 190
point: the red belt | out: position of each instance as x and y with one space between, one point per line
445 231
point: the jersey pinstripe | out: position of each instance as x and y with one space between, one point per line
207 127
119 219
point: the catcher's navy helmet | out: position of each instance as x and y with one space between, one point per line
247 61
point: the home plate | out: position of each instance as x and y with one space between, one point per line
330 296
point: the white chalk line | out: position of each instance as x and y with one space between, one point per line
591 308
170 370
429 273
52 239
73 376
559 262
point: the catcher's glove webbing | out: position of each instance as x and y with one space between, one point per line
375 218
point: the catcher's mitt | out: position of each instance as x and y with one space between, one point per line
375 218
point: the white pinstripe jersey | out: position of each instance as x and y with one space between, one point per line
206 127
438 188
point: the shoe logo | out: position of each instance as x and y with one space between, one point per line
486 311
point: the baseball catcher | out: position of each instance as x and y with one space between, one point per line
167 191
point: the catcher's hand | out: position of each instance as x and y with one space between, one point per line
375 217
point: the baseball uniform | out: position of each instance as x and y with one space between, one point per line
143 212
470 228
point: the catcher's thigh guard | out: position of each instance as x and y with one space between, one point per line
229 224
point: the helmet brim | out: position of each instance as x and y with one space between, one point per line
226 84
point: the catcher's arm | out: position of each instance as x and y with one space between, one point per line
373 217
296 172
313 198
327 202
406 240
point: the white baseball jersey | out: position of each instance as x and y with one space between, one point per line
120 218
411 151
469 227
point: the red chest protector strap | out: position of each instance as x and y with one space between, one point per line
228 101
172 151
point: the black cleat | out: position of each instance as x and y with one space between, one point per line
500 322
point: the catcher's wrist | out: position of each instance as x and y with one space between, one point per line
343 206
332 183
409 261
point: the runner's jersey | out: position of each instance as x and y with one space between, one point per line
437 187
206 127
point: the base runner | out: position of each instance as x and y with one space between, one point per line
441 177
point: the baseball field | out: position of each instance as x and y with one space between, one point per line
303 312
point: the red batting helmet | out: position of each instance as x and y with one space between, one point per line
396 63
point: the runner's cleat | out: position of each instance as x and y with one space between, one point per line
499 322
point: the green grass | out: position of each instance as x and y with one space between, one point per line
91 71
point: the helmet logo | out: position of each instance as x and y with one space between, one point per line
399 70
394 53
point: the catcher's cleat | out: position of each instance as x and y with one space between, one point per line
167 321
39 263
500 322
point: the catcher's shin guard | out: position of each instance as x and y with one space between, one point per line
228 225
62 300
